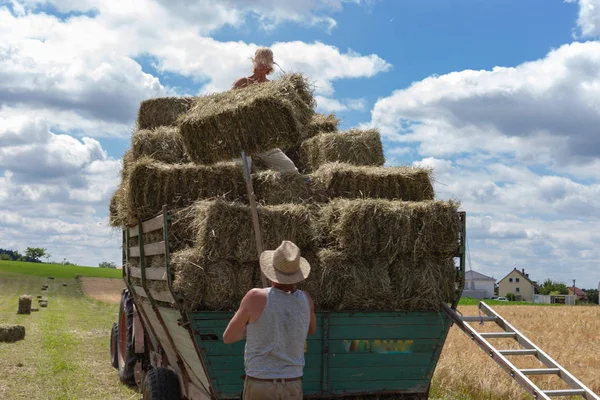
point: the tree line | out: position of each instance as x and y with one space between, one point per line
36 254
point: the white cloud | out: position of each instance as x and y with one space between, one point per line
588 20
543 111
328 105
515 217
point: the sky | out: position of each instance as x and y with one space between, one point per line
500 97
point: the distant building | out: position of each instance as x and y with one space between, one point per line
478 285
518 283
581 295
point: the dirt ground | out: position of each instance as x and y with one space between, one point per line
103 289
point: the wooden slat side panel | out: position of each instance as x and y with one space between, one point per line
140 291
150 249
152 273
162 295
185 346
161 335
153 224
133 232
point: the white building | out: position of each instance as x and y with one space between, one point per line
478 285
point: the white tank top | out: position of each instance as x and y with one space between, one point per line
275 341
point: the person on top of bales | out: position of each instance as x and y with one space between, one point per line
262 66
275 322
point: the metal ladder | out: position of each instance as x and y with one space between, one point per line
529 348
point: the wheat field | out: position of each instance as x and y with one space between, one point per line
568 334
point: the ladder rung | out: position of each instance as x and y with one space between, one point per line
498 334
565 392
540 371
518 352
477 319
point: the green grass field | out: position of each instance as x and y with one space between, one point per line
65 354
55 270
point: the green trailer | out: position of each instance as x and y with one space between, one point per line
174 354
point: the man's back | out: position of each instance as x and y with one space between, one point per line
275 341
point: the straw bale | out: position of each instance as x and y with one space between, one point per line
153 184
11 333
255 118
24 304
320 123
272 187
216 285
354 146
162 144
35 309
390 228
422 283
162 111
339 281
221 230
393 183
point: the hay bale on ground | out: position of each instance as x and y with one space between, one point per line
39 297
256 118
390 228
221 230
43 303
393 183
217 286
162 111
24 304
162 144
354 146
35 309
11 333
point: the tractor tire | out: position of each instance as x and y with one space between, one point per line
114 346
161 384
126 353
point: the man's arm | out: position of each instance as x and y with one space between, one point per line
312 328
236 329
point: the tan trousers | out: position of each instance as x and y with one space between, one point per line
269 390
275 159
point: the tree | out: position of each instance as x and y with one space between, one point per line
35 253
592 295
106 264
47 257
511 297
5 257
549 287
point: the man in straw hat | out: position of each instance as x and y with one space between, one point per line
263 65
275 322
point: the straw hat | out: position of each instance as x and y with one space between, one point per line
263 57
284 265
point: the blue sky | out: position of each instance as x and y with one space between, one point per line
501 98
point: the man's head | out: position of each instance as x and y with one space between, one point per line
263 61
284 265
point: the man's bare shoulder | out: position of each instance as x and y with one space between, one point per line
255 296
240 83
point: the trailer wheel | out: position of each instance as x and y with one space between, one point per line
161 384
126 353
114 346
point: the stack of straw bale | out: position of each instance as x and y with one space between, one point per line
24 304
375 236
